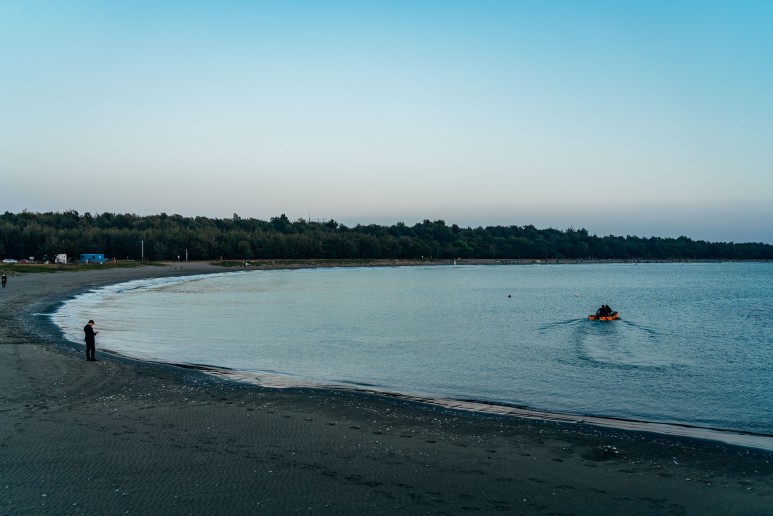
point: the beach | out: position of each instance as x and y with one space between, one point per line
119 436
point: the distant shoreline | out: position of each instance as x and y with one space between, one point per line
316 263
185 267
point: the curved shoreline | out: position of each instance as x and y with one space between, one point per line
757 441
743 438
174 440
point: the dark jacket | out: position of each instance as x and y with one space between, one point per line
89 331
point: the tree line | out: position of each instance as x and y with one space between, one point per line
165 237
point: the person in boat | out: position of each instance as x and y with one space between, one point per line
604 311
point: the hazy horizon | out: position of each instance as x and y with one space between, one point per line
650 119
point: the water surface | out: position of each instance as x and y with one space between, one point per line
694 345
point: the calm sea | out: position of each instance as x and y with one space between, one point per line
694 345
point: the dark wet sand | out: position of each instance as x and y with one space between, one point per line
122 437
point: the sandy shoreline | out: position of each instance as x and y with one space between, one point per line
117 436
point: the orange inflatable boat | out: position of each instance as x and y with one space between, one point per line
613 316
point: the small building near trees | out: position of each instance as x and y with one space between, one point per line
92 258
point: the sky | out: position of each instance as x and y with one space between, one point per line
625 118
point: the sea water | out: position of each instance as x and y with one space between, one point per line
694 345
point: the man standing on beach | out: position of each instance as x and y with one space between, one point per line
90 342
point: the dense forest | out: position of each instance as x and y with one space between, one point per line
165 237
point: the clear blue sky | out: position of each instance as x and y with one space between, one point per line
641 118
